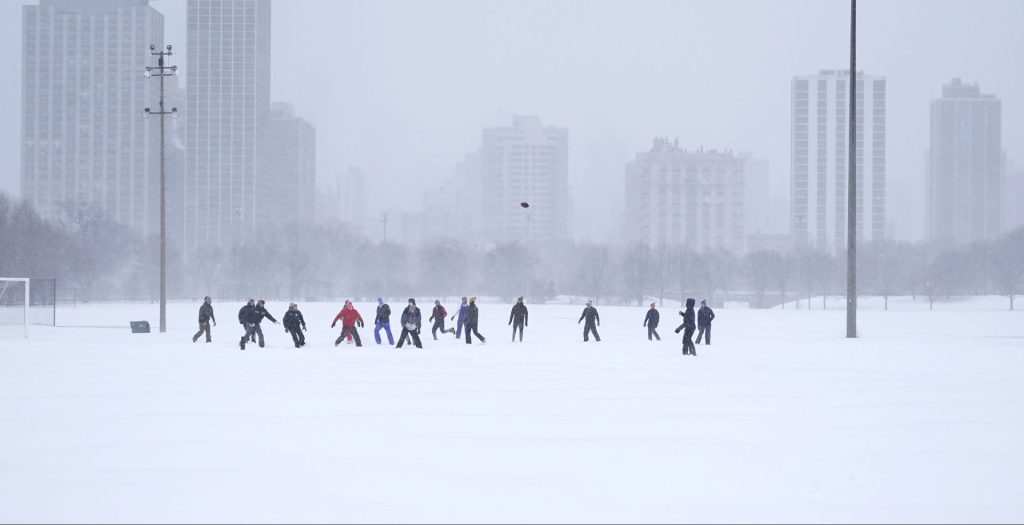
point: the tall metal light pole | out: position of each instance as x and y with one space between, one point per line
384 250
851 187
160 71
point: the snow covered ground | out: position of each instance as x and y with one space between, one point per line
922 419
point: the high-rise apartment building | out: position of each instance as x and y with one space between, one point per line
226 178
291 168
527 162
691 198
84 141
965 165
820 142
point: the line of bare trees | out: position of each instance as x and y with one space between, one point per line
104 261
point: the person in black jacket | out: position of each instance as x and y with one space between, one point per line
519 318
412 320
205 316
259 313
247 318
295 324
437 317
704 317
593 321
472 321
382 321
651 322
689 325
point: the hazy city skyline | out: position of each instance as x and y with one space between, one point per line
403 89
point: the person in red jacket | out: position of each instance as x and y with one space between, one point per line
350 318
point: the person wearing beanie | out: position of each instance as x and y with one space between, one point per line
689 325
412 321
295 324
472 321
437 316
350 319
382 322
205 316
704 317
651 322
593 321
519 318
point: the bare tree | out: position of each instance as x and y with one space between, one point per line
1007 264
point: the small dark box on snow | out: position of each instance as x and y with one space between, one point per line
140 327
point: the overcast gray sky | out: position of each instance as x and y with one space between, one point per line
402 88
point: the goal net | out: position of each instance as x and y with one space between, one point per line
14 307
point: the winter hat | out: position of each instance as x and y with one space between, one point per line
520 299
261 302
589 302
412 301
463 298
207 299
703 302
251 301
379 300
690 303
437 302
652 305
293 306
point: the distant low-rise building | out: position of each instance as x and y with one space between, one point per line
689 197
289 193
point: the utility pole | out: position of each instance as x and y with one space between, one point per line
851 185
384 250
160 71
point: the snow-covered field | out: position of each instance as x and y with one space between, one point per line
922 419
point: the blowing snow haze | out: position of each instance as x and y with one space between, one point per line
401 91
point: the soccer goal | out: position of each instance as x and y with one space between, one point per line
14 307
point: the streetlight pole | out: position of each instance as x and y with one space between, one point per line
160 71
851 185
384 251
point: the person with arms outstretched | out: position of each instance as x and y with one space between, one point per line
350 318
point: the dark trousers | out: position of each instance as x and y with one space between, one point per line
411 334
387 329
349 331
439 325
251 330
704 331
470 330
517 325
652 331
298 337
586 332
688 347
204 327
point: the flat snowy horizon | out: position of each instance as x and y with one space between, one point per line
781 420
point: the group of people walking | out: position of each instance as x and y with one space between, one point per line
252 314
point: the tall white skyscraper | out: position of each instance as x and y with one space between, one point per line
692 198
527 162
965 165
228 119
291 168
84 142
820 123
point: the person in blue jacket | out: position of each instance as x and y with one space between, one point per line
461 314
704 317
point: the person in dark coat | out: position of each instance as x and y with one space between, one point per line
593 321
437 316
247 318
651 322
472 321
382 321
295 324
412 321
205 317
261 312
350 319
689 325
519 318
462 318
704 317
